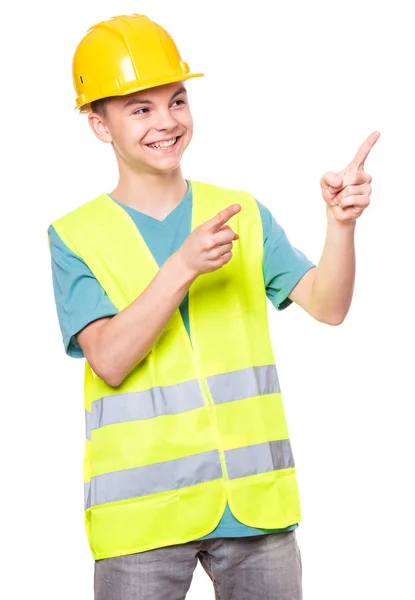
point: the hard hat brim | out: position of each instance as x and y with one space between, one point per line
85 107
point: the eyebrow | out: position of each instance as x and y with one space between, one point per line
133 101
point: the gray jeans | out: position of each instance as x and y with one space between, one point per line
263 567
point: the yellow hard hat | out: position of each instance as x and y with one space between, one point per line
124 55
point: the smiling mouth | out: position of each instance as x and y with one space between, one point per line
165 145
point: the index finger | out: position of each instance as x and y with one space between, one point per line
361 155
222 217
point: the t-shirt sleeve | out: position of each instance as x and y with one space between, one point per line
79 297
283 265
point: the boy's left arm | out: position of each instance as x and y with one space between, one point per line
326 291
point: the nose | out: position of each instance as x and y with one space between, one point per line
165 120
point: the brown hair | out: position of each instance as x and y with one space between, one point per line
99 107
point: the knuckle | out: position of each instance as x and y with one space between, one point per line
209 242
345 201
344 193
360 201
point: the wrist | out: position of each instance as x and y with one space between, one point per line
341 226
182 272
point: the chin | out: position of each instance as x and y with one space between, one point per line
166 166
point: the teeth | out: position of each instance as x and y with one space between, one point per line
163 144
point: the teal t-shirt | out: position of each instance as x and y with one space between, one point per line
80 299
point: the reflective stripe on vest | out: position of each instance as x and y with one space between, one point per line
200 420
148 404
261 458
152 479
191 470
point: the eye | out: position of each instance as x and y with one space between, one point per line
139 111
181 101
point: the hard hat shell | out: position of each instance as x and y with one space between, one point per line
124 55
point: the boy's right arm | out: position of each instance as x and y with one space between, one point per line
114 346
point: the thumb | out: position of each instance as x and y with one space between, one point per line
225 227
332 180
331 184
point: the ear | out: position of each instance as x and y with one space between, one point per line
99 127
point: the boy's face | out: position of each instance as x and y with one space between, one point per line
149 130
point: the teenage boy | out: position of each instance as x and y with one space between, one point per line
161 285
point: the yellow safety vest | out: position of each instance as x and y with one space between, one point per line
199 421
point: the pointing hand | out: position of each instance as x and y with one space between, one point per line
347 193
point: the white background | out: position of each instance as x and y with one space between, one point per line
290 91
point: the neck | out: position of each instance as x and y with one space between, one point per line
155 194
